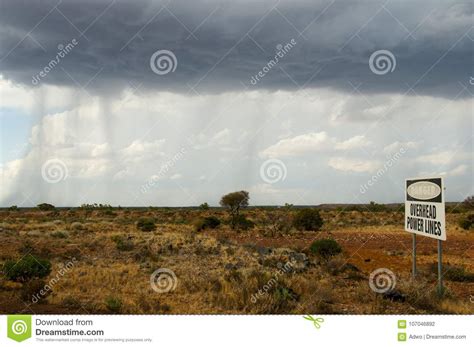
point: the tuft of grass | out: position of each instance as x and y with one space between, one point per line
123 244
458 274
71 302
113 304
421 295
59 235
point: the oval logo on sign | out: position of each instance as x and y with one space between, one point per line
424 190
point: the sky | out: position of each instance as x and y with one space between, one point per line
175 103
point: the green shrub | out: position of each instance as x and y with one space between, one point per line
46 207
113 304
204 206
146 224
467 222
26 268
325 248
308 219
207 223
241 222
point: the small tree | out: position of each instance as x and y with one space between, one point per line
204 206
234 202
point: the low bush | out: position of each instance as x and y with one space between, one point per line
207 223
27 268
325 248
146 224
46 207
241 222
308 219
467 222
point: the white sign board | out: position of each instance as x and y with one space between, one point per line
424 207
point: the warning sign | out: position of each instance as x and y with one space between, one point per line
424 207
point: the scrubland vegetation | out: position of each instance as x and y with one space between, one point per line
229 259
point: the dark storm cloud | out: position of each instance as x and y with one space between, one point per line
220 45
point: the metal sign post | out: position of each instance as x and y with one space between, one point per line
414 256
440 269
425 215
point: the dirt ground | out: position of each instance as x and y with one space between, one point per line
102 263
